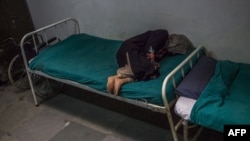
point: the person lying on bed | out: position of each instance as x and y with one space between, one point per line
138 58
135 59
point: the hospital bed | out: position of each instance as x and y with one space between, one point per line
213 94
85 61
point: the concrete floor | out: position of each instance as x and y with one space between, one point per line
77 115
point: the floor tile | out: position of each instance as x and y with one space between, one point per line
15 114
42 126
134 130
77 132
111 138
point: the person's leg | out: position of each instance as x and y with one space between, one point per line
118 82
110 83
122 72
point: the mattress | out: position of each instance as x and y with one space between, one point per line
89 60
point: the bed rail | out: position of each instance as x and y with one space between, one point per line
60 30
43 37
171 79
180 67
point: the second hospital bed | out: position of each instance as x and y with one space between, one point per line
85 61
215 93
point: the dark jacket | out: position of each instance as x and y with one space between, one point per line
137 48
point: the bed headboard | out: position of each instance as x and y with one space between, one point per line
47 35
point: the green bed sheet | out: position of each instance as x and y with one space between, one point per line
90 60
225 100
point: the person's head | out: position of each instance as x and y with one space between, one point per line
179 43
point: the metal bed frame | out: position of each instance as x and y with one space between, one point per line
66 27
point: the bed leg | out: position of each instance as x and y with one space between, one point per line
34 96
197 134
171 124
185 130
32 89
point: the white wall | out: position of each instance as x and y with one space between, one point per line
222 26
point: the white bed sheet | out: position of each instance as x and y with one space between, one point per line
183 107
